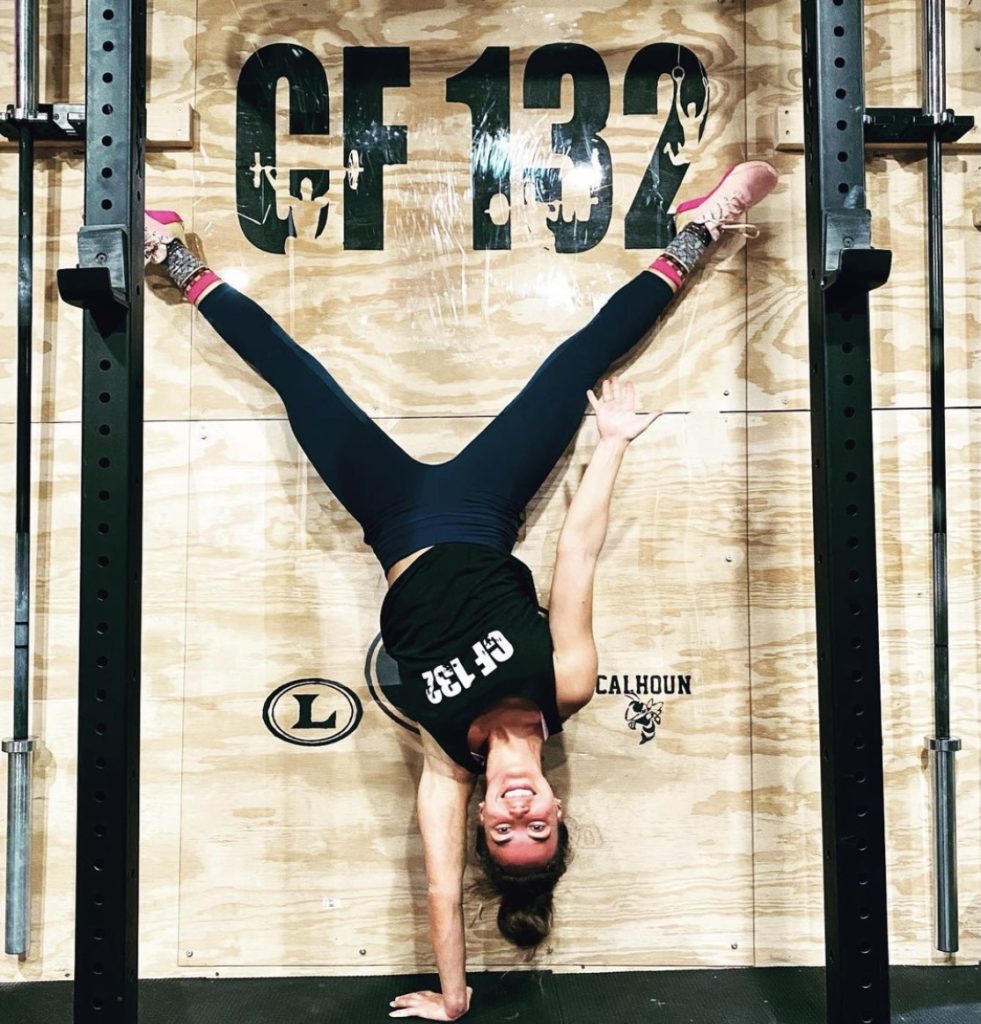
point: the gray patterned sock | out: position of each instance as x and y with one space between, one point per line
689 246
182 264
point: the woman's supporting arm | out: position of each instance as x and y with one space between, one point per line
443 796
580 542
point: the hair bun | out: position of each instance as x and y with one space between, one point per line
526 923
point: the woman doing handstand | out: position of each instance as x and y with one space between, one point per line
486 674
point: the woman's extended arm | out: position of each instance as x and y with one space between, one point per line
580 542
444 793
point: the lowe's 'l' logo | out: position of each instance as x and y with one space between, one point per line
312 712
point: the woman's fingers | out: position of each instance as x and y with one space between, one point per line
409 999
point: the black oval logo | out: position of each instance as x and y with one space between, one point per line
312 712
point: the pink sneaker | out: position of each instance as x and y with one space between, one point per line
160 227
740 189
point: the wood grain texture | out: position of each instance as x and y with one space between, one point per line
701 847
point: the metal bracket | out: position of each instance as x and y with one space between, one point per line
52 121
100 282
911 124
849 259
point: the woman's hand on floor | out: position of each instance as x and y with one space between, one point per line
427 1006
616 411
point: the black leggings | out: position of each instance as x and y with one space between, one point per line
478 496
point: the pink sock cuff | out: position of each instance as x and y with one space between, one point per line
206 280
164 216
666 268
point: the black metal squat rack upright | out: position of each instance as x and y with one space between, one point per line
842 268
108 285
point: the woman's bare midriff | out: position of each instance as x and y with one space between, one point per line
403 563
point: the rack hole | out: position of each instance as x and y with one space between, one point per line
100 695
102 628
108 46
853 543
849 411
106 108
103 528
854 575
104 429
842 159
107 77
852 510
101 662
850 477
856 643
104 463
103 561
104 364
840 93
850 444
858 676
108 15
106 173
101 728
106 204
839 62
106 140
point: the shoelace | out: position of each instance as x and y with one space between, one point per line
747 230
716 217
152 241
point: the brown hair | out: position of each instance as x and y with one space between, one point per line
525 914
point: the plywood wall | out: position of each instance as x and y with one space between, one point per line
698 848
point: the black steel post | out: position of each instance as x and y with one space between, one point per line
109 286
842 268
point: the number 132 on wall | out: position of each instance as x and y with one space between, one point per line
484 87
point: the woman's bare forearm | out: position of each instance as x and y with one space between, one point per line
588 517
449 945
